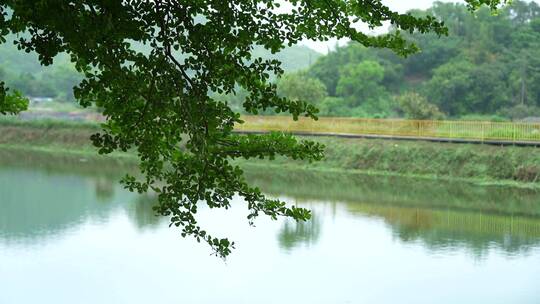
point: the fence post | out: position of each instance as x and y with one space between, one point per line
514 133
483 132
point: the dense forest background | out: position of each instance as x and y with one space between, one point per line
22 71
488 67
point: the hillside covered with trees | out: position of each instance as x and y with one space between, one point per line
23 72
488 65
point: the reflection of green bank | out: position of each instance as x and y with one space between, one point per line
418 219
306 185
37 204
314 185
444 228
440 214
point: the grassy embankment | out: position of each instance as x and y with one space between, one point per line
50 136
475 163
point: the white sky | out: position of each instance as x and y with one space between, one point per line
403 5
398 5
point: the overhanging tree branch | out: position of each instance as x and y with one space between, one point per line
215 39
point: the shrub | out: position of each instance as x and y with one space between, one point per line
416 106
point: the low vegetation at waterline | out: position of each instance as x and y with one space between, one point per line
479 163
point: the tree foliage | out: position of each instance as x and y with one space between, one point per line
11 103
297 86
416 106
159 103
361 87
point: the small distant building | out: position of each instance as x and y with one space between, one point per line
532 119
39 100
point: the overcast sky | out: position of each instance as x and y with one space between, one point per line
403 5
398 5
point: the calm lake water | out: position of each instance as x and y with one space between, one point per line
70 234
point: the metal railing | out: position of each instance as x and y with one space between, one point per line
471 130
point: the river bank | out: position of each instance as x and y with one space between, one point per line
480 164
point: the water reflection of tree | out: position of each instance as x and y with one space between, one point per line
477 244
143 214
295 234
105 188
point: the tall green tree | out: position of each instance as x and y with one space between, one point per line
361 87
361 81
524 64
298 86
460 87
416 106
158 103
450 86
